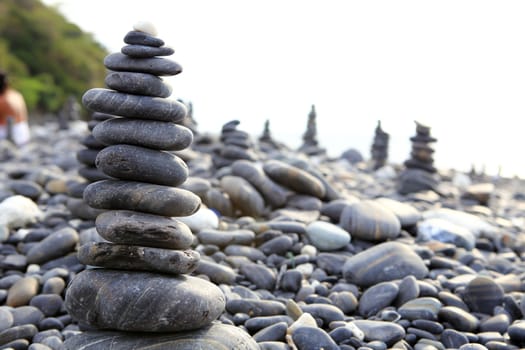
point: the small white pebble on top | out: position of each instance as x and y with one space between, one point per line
146 27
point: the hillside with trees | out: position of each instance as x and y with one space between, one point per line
47 57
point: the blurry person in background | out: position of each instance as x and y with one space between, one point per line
13 113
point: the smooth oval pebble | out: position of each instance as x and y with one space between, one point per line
147 133
255 307
326 236
387 332
22 291
137 196
255 324
57 244
216 337
140 37
134 257
217 273
482 294
49 304
155 65
131 227
134 163
326 312
6 319
458 318
142 301
133 106
424 308
294 178
370 221
26 331
312 338
243 195
143 51
275 332
377 297
224 238
138 84
260 275
407 214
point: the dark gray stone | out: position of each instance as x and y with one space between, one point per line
482 294
255 324
255 307
325 312
147 133
224 238
377 297
134 257
387 332
459 319
243 195
294 178
131 227
260 275
26 315
453 339
157 66
145 51
313 338
135 37
134 106
275 332
142 197
138 84
217 273
134 163
142 301
57 244
26 331
279 245
49 304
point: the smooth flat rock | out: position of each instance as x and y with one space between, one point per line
370 221
383 262
21 292
131 227
138 84
57 244
224 238
482 294
217 273
377 297
326 236
260 275
147 133
155 65
142 197
216 336
134 163
134 106
424 308
243 195
312 338
255 307
294 178
142 301
387 332
137 258
138 37
144 51
407 214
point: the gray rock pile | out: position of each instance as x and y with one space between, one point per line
234 144
139 281
310 145
420 173
379 149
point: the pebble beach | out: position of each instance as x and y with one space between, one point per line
236 241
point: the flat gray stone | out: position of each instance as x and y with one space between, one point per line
147 133
135 163
142 301
144 51
142 197
55 245
134 106
155 65
135 37
138 84
294 178
243 195
131 227
137 258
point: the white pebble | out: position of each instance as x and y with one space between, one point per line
309 250
145 27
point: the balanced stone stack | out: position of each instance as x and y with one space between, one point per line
266 141
420 173
139 280
310 144
235 144
88 171
380 147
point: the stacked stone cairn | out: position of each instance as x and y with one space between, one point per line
420 173
266 141
235 144
88 171
310 144
137 281
380 147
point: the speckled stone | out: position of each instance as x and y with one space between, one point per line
147 133
134 106
134 257
138 84
142 301
131 227
137 196
215 336
157 66
134 163
383 262
294 178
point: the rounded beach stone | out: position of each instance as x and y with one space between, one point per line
136 163
216 336
294 178
424 308
260 275
407 214
137 196
275 332
147 133
22 291
131 227
436 229
273 193
26 331
49 304
312 338
326 236
142 301
516 332
459 319
377 297
139 37
133 257
143 51
6 319
224 238
155 65
482 294
134 106
217 273
138 84
243 195
55 245
383 262
370 221
255 307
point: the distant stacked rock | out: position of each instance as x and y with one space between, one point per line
266 141
380 147
88 170
140 282
236 144
420 173
310 144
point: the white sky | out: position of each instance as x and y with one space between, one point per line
458 66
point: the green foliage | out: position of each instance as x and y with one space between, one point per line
47 57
